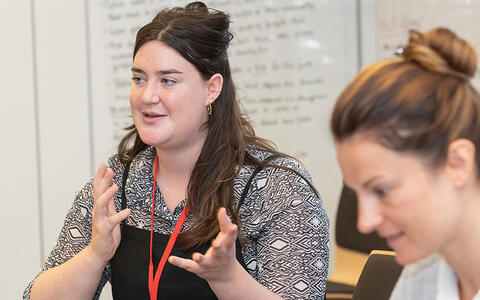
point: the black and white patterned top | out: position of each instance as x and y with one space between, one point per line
284 222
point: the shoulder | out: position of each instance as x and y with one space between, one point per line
280 202
286 185
283 166
418 280
142 161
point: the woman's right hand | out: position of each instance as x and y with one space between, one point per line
105 219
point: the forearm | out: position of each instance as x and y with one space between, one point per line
240 285
77 278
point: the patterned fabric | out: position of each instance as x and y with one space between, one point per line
284 222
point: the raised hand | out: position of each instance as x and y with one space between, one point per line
105 219
219 262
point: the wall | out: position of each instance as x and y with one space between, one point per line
19 216
45 117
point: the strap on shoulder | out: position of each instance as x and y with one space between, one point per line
249 182
124 181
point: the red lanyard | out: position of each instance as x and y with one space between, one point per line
153 282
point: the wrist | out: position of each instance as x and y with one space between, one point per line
235 274
238 284
93 258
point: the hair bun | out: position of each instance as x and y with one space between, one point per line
442 51
197 6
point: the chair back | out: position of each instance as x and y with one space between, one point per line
378 277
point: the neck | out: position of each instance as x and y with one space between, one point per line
180 160
462 252
177 163
174 169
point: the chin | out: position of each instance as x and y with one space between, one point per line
407 257
151 138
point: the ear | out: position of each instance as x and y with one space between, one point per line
460 162
214 87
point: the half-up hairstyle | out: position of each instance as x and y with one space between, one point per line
202 37
419 102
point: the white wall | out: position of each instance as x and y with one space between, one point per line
46 150
63 108
19 215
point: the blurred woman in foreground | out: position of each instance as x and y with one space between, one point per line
407 134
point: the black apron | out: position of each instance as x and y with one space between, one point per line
129 265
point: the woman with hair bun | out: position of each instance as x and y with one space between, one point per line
249 222
407 133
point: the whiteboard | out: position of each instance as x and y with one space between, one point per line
393 19
289 59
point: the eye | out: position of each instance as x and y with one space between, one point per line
168 82
138 80
381 192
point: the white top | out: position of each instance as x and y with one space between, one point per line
430 278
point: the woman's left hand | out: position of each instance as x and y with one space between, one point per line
219 263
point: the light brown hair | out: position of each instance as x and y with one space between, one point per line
418 102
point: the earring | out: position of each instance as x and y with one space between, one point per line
209 109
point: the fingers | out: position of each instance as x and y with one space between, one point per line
104 206
219 258
107 196
228 230
223 219
187 264
116 218
218 250
100 173
103 192
197 264
108 224
197 257
102 180
111 206
105 218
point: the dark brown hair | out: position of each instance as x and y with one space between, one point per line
202 37
418 102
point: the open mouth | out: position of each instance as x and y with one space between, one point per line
152 115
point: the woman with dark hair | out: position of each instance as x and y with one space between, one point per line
250 224
407 134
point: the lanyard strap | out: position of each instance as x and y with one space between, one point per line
153 282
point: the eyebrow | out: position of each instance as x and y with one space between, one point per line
369 182
161 72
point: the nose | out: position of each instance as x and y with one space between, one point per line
151 93
369 214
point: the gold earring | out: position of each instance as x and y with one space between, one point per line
209 109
